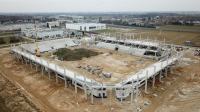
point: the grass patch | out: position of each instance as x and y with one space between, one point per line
9 37
181 28
73 55
108 30
10 40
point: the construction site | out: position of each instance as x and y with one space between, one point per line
101 72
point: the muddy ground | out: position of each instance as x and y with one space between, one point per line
179 92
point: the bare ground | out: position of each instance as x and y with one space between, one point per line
12 99
180 92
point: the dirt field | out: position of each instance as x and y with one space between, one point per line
13 98
179 92
119 65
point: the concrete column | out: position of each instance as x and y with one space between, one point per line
65 81
153 83
170 69
160 76
137 88
85 89
166 71
49 74
146 81
56 78
31 64
41 66
121 97
132 88
22 61
36 67
66 85
56 74
42 70
26 61
102 92
92 98
17 58
75 84
131 95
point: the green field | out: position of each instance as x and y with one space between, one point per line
181 28
73 55
170 36
7 37
107 31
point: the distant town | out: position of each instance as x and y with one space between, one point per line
148 20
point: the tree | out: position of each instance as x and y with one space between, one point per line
2 41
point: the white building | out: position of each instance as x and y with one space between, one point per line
85 26
53 24
50 34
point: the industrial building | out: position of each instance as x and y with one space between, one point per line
43 33
86 26
53 24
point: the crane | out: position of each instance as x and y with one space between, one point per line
37 49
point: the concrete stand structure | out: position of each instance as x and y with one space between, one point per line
123 89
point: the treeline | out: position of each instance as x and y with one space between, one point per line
9 40
181 23
125 23
14 19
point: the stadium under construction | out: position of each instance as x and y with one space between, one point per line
122 65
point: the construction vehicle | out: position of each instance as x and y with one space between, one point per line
37 50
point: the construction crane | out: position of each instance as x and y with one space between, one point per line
37 49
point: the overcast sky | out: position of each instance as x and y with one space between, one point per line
98 5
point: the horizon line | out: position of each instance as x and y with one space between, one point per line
99 11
